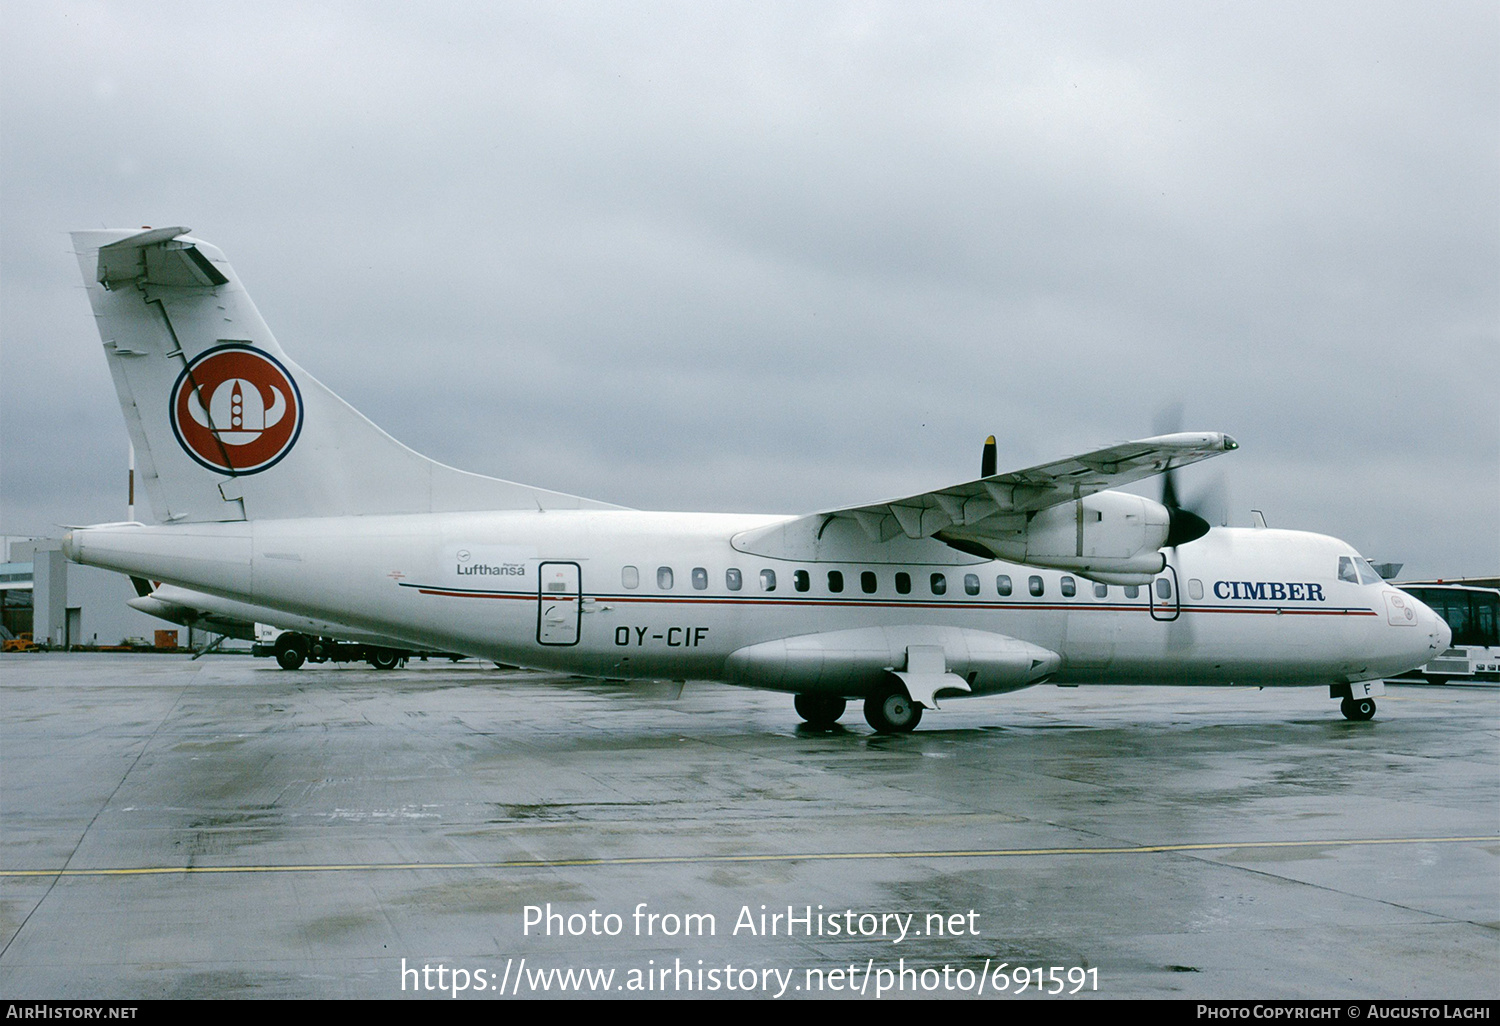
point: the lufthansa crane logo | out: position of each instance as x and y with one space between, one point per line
236 410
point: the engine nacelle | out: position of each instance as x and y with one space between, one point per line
1107 533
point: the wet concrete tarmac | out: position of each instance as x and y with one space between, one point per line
222 828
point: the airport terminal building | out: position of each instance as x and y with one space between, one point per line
65 605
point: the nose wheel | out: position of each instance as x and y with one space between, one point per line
1357 708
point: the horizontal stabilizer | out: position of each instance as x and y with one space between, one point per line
156 258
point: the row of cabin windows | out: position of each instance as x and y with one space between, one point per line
937 584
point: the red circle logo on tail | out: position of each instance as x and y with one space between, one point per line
236 410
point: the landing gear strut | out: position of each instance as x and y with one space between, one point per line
821 711
890 710
1357 708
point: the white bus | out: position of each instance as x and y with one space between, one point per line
1472 612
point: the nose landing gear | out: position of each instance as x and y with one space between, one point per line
1357 708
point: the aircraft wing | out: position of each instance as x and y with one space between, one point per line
1000 504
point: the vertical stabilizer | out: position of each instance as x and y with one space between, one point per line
226 426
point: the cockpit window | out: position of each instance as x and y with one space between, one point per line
1357 570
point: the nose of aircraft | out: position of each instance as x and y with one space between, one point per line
1436 634
1442 634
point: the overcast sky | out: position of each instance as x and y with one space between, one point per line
781 257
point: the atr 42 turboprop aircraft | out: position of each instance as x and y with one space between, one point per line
273 492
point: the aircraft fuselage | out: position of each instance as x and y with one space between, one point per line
627 594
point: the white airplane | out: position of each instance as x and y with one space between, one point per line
273 492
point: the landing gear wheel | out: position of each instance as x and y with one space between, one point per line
822 711
290 658
891 711
1357 708
384 659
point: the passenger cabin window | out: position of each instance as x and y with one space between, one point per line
867 582
939 584
700 579
1101 590
1069 587
835 581
971 584
768 580
801 580
1132 591
903 582
664 578
1035 584
1002 584
630 577
1195 588
733 580
1163 588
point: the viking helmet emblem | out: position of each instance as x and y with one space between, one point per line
237 411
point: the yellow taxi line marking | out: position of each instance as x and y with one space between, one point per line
658 860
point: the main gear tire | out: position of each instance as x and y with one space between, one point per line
821 711
890 710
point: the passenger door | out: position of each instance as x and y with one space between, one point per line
1163 596
559 603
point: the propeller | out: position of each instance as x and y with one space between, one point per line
1188 520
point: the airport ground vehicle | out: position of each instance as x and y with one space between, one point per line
292 648
1472 612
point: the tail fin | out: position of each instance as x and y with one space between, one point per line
225 426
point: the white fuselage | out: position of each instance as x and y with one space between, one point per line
627 594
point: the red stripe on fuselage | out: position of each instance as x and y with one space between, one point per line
899 604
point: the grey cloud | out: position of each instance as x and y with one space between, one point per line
787 256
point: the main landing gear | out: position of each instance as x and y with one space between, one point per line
1357 708
820 711
890 710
